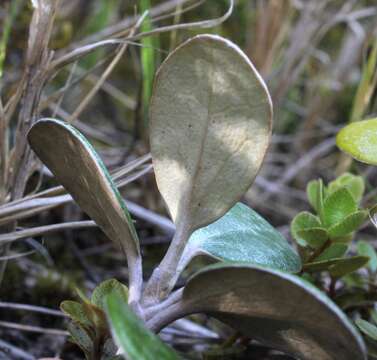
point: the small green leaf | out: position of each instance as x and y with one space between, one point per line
314 237
77 312
359 139
306 230
332 252
80 338
322 265
349 224
242 235
315 193
367 328
130 334
312 193
348 265
366 249
337 206
107 287
354 184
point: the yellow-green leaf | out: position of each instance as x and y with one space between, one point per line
359 139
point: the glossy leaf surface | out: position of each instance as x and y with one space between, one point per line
243 235
276 308
359 139
130 334
210 118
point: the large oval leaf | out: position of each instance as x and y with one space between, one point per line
242 235
359 139
130 334
77 166
210 118
274 307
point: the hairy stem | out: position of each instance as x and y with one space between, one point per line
165 276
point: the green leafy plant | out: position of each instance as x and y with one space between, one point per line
210 127
88 327
324 237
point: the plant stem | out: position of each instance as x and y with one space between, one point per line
165 276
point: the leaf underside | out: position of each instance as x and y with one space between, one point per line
210 126
76 165
276 308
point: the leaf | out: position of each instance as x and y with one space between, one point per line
367 328
242 235
306 230
108 287
130 334
359 139
349 224
337 206
315 193
321 265
366 249
210 118
354 184
76 312
333 251
314 237
275 308
76 165
81 339
348 265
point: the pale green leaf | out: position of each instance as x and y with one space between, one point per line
306 230
354 184
359 139
108 287
337 206
349 224
314 237
333 251
77 312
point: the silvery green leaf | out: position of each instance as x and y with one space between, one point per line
242 235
